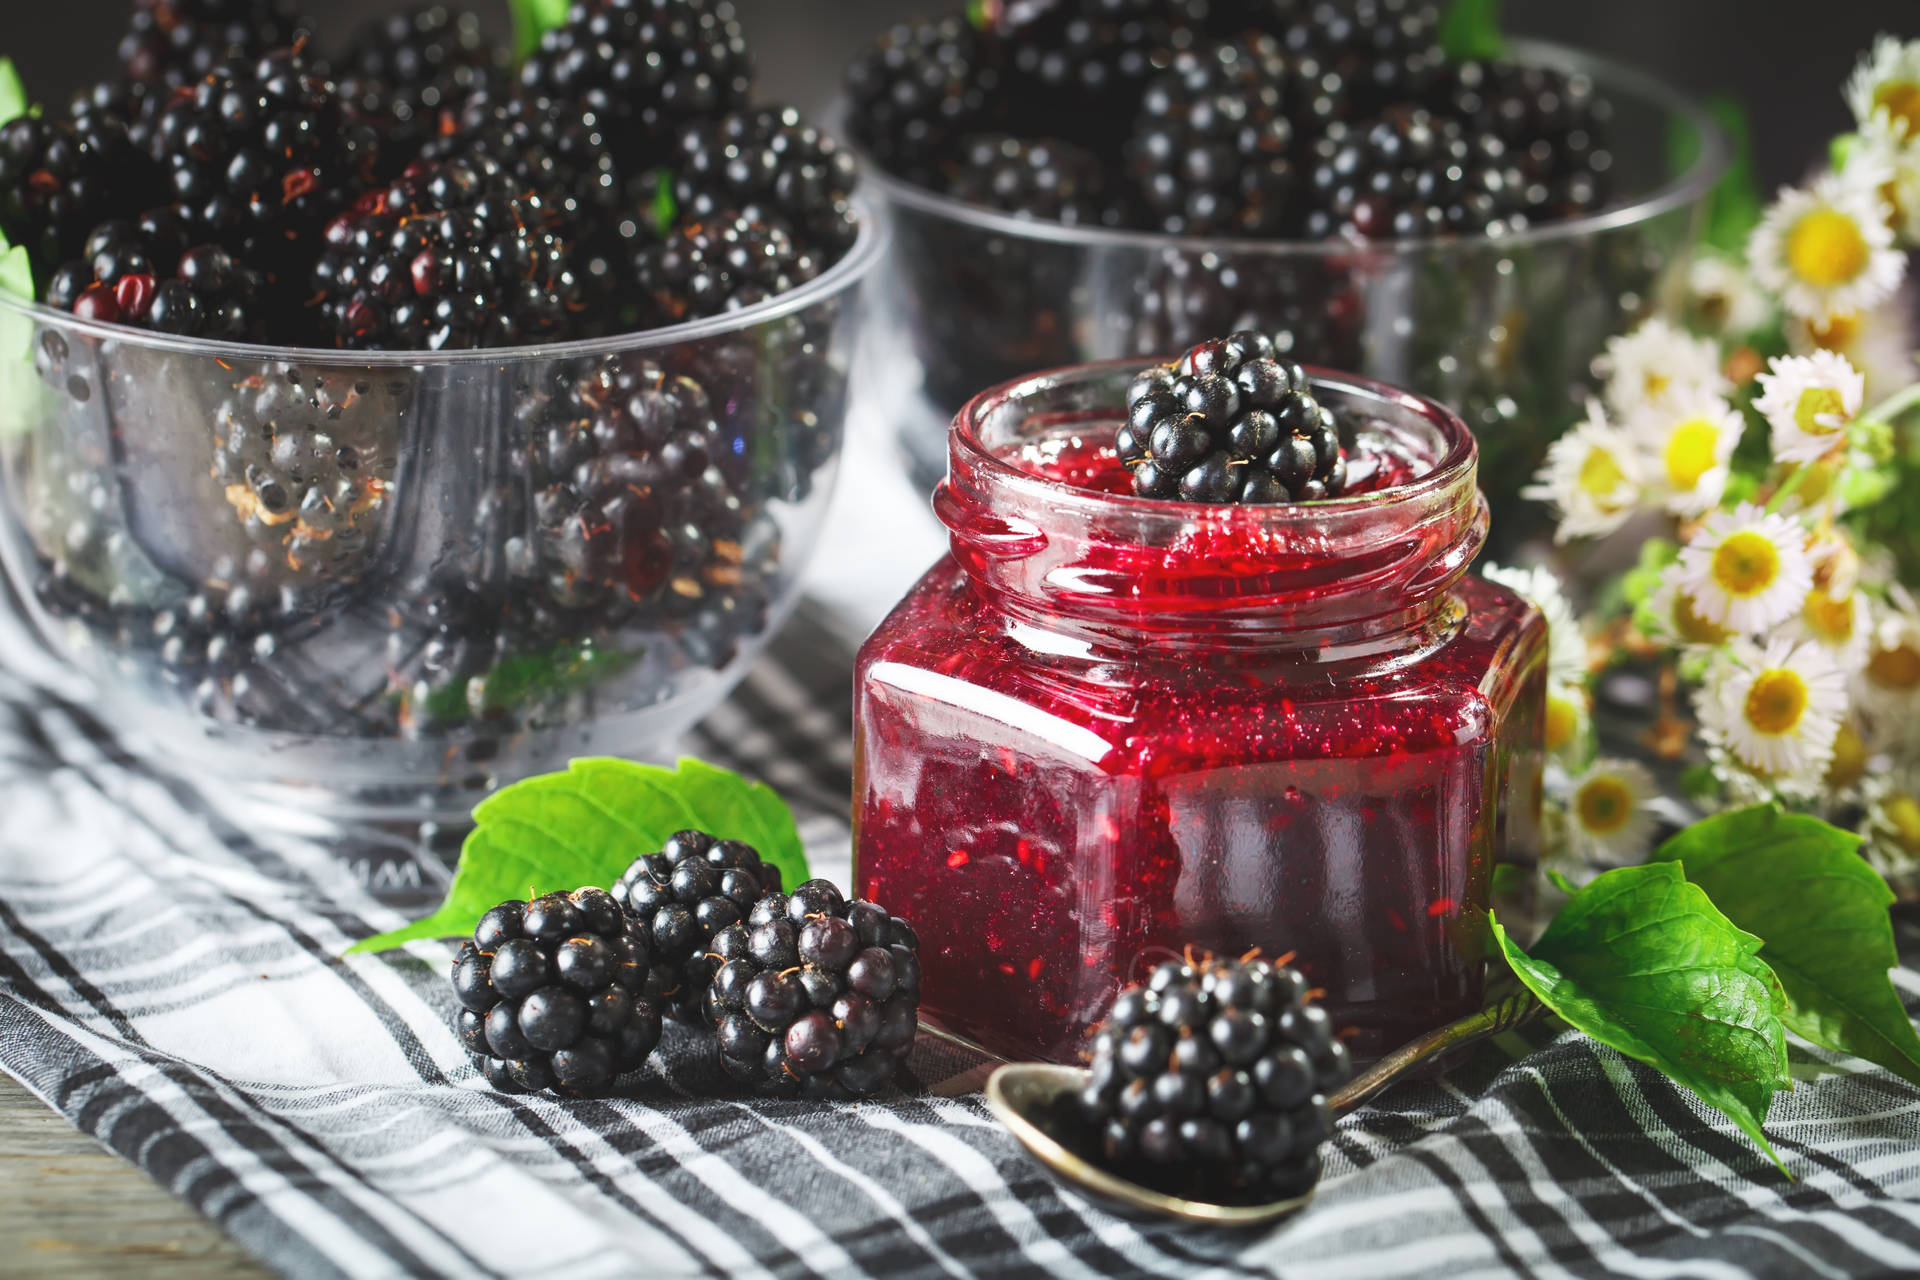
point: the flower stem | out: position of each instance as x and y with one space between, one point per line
1894 405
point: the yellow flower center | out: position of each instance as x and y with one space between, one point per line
1746 563
1835 333
1849 763
1816 403
1691 627
1777 701
1563 723
1692 451
1604 804
1655 384
1901 100
1830 618
1903 815
1601 474
1826 248
1895 668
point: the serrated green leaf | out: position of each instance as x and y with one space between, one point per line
13 93
533 19
1801 886
1641 960
585 826
1471 31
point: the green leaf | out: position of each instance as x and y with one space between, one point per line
524 679
1734 205
586 825
16 271
1699 782
533 19
1471 31
13 94
665 210
1802 887
1641 960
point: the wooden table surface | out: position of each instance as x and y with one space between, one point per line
70 1208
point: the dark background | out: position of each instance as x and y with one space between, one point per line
1784 59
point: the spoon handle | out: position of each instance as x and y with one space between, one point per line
1503 1015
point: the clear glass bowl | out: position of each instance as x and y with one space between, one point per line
1502 330
367 586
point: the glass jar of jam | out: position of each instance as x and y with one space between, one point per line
1106 729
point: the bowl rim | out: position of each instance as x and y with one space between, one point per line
867 251
1715 154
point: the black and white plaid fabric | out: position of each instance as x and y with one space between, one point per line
174 987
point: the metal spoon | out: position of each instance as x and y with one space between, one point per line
1018 1093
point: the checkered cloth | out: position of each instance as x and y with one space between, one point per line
173 986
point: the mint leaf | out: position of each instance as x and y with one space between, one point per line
13 94
1641 960
1471 31
533 19
1801 886
584 826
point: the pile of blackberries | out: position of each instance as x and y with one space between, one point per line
806 992
1288 119
601 189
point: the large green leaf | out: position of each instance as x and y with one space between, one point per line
1641 960
1801 886
586 825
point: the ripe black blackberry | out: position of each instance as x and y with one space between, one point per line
402 70
680 898
59 179
259 155
551 996
1554 125
814 994
918 90
771 166
644 67
1211 1080
1230 421
452 254
176 42
1081 65
1390 178
447 650
1210 148
720 263
1382 51
147 274
1043 178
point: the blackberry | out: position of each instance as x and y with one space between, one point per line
260 155
145 273
452 254
644 67
680 897
550 994
813 994
719 264
402 70
1409 173
917 91
446 654
1043 178
771 166
1210 148
1230 421
176 42
59 179
1554 125
1211 1080
1081 65
1382 51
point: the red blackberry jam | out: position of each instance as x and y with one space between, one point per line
1107 728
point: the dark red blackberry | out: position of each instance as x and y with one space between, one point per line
1211 1081
1210 148
59 179
550 994
1554 125
1383 51
1409 173
1230 421
176 42
680 898
259 156
452 254
719 264
644 67
772 167
917 91
403 69
815 995
1041 178
145 273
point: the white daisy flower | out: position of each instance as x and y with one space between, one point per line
1880 156
1568 715
1838 620
1885 87
1691 439
1775 710
1677 619
1892 673
1808 402
1848 769
1892 826
1591 476
1655 362
1566 646
1724 295
1879 343
1746 570
1826 249
1607 816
